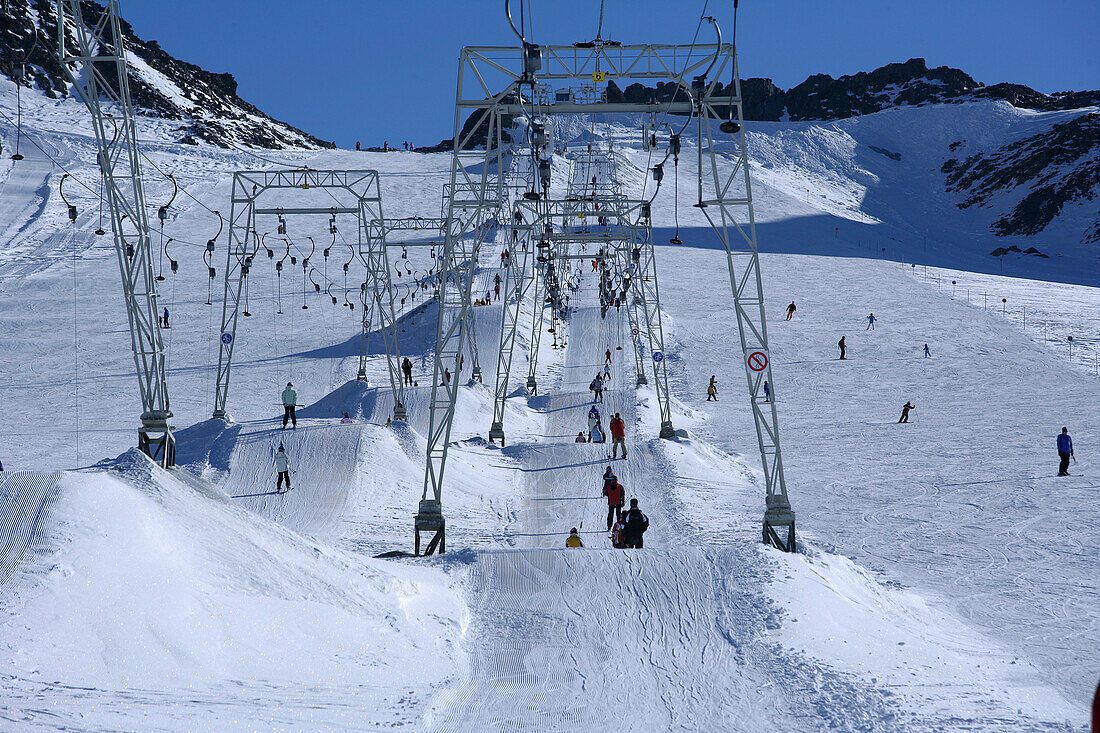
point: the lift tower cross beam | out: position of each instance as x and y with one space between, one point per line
346 191
97 68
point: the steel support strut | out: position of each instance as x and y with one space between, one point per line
726 201
472 208
381 288
98 70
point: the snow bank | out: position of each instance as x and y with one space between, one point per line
153 589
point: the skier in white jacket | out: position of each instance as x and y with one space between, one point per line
282 465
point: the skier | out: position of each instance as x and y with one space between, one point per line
597 388
927 353
580 438
290 401
712 390
496 290
597 435
767 391
790 310
635 524
607 356
574 539
840 345
358 145
593 417
1065 452
164 319
871 322
407 369
905 411
346 419
608 477
618 435
282 465
617 534
615 494
606 373
446 376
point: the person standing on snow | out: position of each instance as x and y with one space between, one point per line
635 523
790 310
767 391
712 390
618 435
615 494
905 411
290 401
597 388
608 477
164 319
871 322
617 540
1065 452
607 357
282 465
840 345
927 353
574 539
606 373
407 370
596 434
593 417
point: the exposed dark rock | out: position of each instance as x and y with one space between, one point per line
214 112
1092 234
1055 165
884 151
614 95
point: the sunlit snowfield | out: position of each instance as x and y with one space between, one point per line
948 580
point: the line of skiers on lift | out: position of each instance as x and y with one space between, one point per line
596 432
625 528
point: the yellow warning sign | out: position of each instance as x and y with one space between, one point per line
598 76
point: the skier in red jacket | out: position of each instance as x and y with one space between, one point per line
615 494
618 435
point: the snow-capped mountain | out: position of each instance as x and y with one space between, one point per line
204 103
1024 183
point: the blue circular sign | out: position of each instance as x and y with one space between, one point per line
227 338
658 357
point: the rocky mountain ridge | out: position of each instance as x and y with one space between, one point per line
205 104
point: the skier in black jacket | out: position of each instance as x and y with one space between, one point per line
636 523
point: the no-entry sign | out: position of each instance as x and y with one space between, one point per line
758 361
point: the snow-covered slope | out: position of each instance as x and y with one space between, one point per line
946 581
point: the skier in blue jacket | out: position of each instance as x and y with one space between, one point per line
1065 452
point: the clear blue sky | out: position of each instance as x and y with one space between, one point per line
348 70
